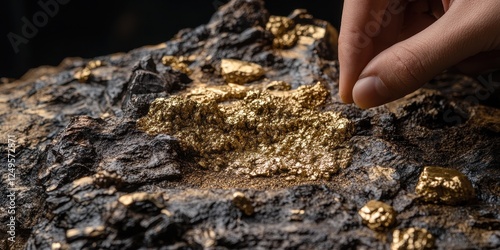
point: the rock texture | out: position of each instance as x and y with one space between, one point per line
89 178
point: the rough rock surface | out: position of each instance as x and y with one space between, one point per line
88 178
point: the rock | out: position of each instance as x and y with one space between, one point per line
156 138
240 72
445 186
412 238
377 215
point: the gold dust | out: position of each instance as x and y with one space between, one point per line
83 75
180 63
240 72
412 238
377 215
254 132
243 203
444 185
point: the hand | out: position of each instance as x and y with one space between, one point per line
390 48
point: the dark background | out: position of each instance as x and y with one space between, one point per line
92 28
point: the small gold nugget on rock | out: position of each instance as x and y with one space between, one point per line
177 63
283 30
240 72
412 238
243 203
444 185
377 215
83 75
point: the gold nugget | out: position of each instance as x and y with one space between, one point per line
243 203
83 75
377 215
444 185
412 238
178 63
283 31
240 72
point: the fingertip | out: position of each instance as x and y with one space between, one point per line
370 92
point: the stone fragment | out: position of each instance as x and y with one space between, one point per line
243 203
412 238
445 186
377 215
240 72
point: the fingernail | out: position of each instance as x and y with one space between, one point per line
370 92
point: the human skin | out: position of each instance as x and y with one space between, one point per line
390 48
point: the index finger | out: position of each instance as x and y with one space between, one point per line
361 22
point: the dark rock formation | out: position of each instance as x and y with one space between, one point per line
88 178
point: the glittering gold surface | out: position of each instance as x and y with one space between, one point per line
243 203
412 238
287 34
240 72
377 215
444 185
255 132
180 63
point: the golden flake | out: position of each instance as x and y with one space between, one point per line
83 75
129 199
93 232
178 63
287 34
240 72
283 31
444 185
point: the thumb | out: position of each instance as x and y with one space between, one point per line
407 65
